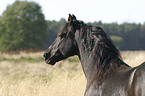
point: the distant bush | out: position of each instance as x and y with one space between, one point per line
118 41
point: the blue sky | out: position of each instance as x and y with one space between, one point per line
91 10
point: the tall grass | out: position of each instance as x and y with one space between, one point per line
133 58
26 74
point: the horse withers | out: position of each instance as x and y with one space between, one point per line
105 71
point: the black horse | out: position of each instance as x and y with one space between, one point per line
106 73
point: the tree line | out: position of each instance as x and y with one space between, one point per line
126 36
23 26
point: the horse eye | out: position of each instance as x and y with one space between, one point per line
62 35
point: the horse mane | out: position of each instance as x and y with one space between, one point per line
97 43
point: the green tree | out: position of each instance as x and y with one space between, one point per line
52 30
118 41
22 26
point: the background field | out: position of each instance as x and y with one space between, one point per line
26 74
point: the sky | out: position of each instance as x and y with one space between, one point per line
107 11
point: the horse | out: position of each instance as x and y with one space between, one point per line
105 71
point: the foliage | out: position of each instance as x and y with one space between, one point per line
118 41
52 30
132 34
22 26
126 36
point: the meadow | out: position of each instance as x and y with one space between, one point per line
26 74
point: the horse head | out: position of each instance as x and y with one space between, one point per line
65 44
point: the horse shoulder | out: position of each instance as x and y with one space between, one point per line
137 81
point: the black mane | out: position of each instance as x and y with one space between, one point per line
98 43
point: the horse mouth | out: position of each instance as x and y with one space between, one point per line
53 58
49 61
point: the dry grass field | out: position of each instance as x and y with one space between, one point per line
26 74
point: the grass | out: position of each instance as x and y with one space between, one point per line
133 58
26 74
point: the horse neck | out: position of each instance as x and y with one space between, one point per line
95 65
91 64
86 63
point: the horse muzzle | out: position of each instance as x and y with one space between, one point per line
53 57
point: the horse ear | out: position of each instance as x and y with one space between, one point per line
74 17
70 19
